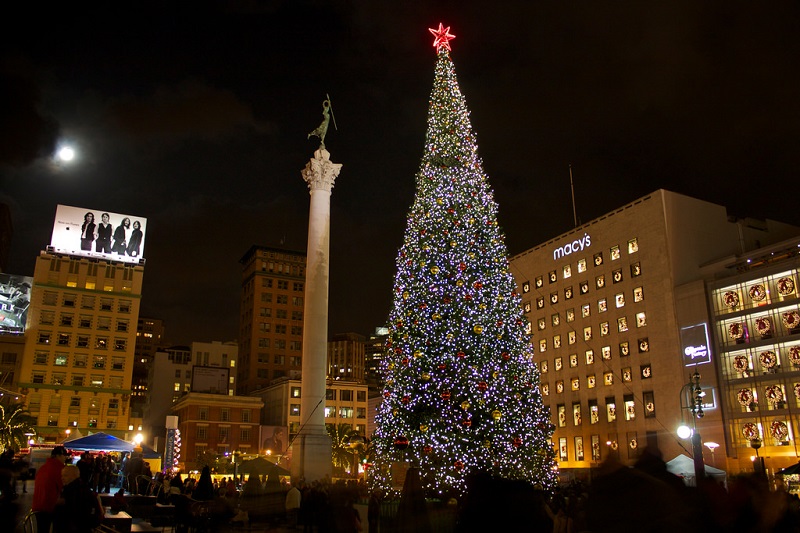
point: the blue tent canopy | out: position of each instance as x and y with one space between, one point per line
103 442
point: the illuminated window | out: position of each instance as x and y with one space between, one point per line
559 386
600 282
568 293
622 324
553 298
603 329
605 353
611 409
589 357
648 398
602 305
556 341
585 310
555 319
614 252
636 269
633 246
562 416
641 320
587 333
526 287
594 412
539 282
626 375
591 382
543 367
584 287
573 360
608 378
624 349
552 276
581 265
541 323
630 408
570 315
545 389
598 259
647 371
617 276
644 345
572 337
61 359
540 302
526 306
567 271
576 414
558 363
638 294
619 299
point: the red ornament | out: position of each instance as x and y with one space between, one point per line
466 423
398 350
405 399
427 449
499 323
462 266
482 386
386 394
477 285
468 297
446 299
458 465
404 361
461 355
442 366
505 356
446 395
401 443
517 442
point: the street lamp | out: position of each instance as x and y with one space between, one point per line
758 466
355 441
712 446
694 402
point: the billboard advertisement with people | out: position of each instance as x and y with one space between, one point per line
99 234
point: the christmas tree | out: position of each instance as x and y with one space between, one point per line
461 391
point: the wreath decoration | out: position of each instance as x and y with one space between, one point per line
745 397
774 394
740 363
736 330
791 319
763 325
731 299
758 292
794 355
785 286
768 359
750 431
779 430
797 390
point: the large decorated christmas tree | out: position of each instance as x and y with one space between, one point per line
462 391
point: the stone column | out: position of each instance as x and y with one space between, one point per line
311 450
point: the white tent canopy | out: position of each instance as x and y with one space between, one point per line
683 466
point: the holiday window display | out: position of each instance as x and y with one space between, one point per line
736 330
745 397
785 286
763 326
779 430
794 355
758 292
768 359
791 319
750 431
740 363
774 394
731 299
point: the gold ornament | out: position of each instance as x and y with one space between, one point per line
434 269
453 244
496 414
425 376
423 427
487 443
465 405
436 316
478 329
417 354
405 295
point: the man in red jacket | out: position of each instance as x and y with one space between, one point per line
47 488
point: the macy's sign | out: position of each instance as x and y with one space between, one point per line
574 246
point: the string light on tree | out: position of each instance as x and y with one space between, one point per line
462 391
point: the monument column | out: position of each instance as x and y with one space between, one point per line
311 449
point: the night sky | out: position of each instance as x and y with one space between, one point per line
197 118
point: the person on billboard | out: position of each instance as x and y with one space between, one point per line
121 237
88 234
104 230
136 240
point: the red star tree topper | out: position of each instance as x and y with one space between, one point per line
443 37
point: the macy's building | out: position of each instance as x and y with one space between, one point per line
624 309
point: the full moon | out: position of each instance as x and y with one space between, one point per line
66 154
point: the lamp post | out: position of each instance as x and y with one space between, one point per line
712 446
758 466
694 402
355 441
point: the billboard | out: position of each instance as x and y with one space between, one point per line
275 441
99 234
15 298
695 344
210 379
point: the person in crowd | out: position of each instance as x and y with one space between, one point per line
204 489
47 488
104 230
135 242
374 510
88 232
293 498
121 237
80 511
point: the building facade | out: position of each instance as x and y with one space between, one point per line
608 303
78 359
217 423
346 357
271 316
149 339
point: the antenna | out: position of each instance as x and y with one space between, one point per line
330 106
572 188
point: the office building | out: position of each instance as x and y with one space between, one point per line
271 316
